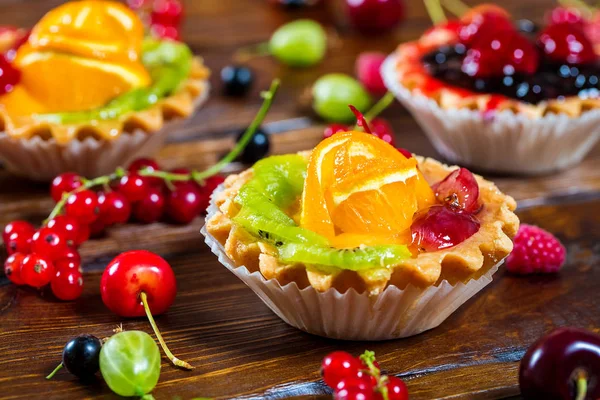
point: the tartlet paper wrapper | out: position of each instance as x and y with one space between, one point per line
394 313
42 160
503 141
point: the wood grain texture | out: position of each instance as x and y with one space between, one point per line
239 347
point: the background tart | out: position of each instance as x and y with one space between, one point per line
470 259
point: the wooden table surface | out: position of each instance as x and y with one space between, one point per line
239 347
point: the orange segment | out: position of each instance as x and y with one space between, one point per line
361 189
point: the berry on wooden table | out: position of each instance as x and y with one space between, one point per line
396 389
339 365
237 80
70 254
133 187
114 208
67 227
12 268
21 227
184 202
64 183
257 148
151 208
535 251
36 270
49 243
19 242
149 165
83 206
81 357
67 283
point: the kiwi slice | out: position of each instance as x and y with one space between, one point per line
269 229
251 197
356 259
281 178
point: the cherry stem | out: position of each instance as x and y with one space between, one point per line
368 358
456 7
58 368
247 53
381 105
197 176
582 385
176 361
435 11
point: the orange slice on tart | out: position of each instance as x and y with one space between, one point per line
360 190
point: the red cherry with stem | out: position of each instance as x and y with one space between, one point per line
567 43
19 242
64 183
374 16
67 284
355 393
396 388
368 67
383 130
12 268
36 270
49 243
151 207
137 283
148 164
67 227
9 75
165 32
339 365
438 227
332 129
459 190
21 227
184 202
166 12
133 187
83 206
70 254
565 364
114 208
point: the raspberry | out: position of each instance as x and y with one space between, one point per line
535 251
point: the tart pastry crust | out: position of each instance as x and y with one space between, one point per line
467 260
411 73
178 105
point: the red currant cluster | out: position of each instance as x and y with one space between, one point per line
163 16
49 255
353 378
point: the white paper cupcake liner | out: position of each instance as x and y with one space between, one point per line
42 160
393 314
506 142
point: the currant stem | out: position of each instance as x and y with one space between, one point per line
456 7
581 385
368 358
247 53
435 11
176 361
58 368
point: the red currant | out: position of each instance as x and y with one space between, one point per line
148 164
438 227
567 42
64 183
83 235
21 227
397 389
339 365
36 270
363 382
333 129
459 190
9 75
83 206
66 226
49 243
114 208
70 254
19 242
67 284
67 264
355 393
368 66
373 16
165 32
210 184
133 187
12 268
383 130
166 12
184 202
151 207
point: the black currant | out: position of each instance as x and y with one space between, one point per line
526 26
293 4
257 148
237 80
81 356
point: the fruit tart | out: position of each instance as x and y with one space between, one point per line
356 241
87 92
494 97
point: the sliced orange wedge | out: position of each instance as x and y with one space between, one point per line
361 190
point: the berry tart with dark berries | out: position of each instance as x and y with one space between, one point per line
357 231
494 97
93 95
